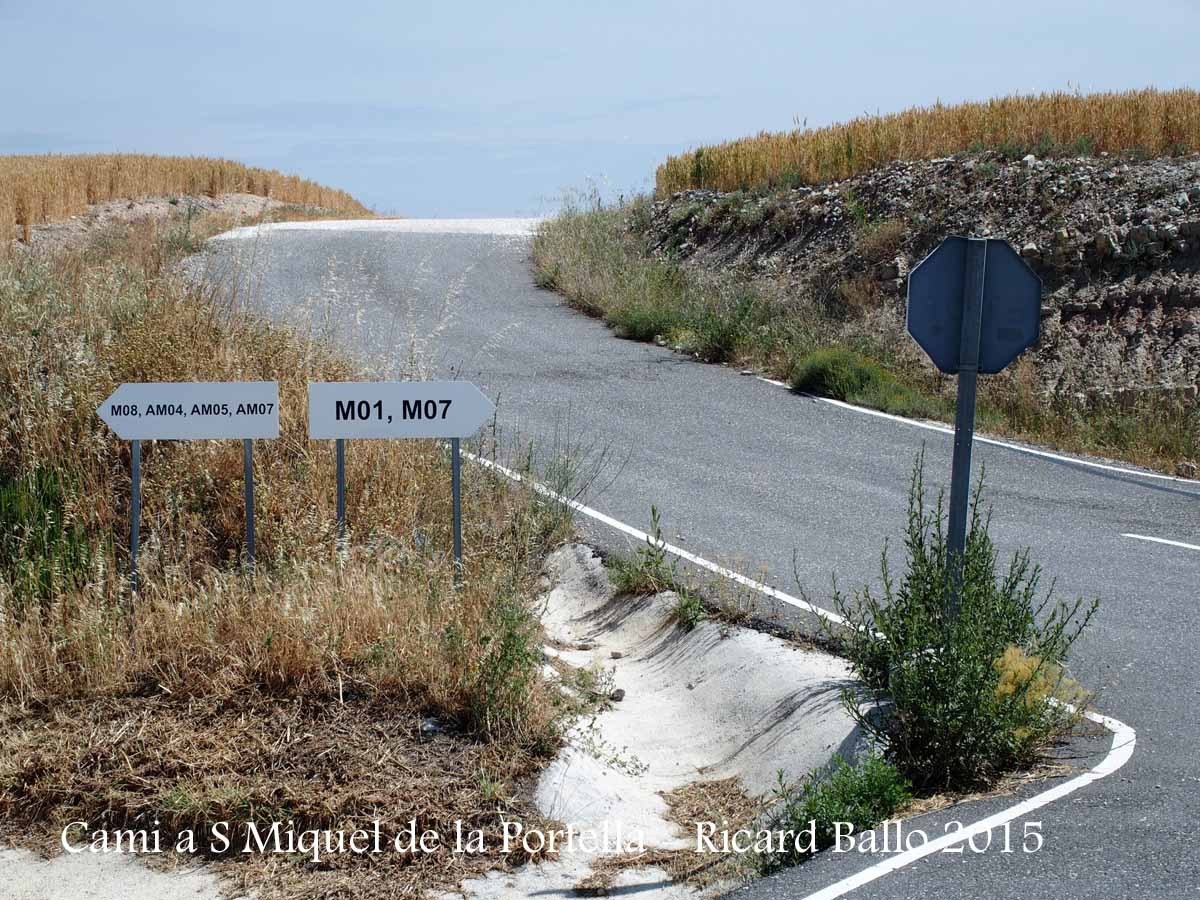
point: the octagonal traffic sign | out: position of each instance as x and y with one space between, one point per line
1010 315
973 306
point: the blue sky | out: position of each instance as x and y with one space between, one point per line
440 109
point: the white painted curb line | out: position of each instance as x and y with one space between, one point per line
1123 742
1020 448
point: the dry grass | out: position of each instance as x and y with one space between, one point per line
38 189
126 762
723 804
1146 121
291 692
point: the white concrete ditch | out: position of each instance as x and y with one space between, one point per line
699 705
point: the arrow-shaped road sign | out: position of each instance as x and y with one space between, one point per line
190 411
396 409
193 410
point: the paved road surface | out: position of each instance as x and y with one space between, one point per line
746 472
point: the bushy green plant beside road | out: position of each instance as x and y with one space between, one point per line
959 700
846 375
650 570
861 796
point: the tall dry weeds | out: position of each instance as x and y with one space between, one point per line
1148 121
52 187
380 618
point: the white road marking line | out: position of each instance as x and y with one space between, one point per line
946 429
1123 743
670 548
1145 537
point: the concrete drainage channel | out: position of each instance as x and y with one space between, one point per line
705 704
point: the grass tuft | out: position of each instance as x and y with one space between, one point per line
846 375
840 796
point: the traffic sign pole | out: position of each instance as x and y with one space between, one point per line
191 411
135 513
248 478
341 491
974 277
456 499
399 409
974 306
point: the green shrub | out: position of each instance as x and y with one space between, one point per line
959 700
649 570
642 321
846 375
863 796
507 672
41 552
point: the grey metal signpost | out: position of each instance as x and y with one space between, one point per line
399 409
974 306
188 411
248 483
340 452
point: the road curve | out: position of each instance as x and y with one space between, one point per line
751 475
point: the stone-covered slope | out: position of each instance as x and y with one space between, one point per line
1116 242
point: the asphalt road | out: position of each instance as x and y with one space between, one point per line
749 474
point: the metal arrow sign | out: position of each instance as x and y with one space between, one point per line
396 409
193 410
189 411
399 409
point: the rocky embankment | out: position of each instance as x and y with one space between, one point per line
77 229
1116 242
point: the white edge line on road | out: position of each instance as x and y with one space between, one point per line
946 429
670 548
1145 537
1123 742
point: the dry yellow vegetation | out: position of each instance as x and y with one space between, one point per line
1157 123
52 187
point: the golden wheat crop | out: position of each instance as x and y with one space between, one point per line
37 189
1150 121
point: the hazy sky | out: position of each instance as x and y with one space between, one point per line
438 109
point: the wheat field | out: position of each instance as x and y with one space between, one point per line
52 187
1153 122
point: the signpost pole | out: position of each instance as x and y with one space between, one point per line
456 496
341 490
248 478
135 514
964 417
377 410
